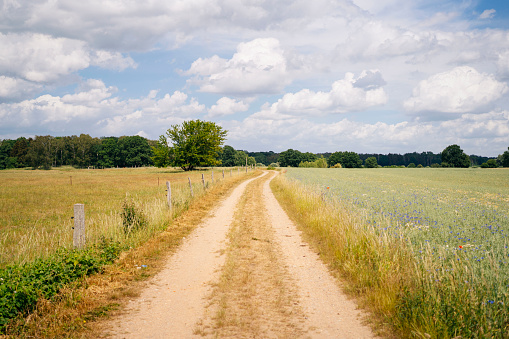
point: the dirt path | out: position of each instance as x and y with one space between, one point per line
244 273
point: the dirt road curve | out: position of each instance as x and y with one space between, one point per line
243 273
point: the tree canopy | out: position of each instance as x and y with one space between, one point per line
371 162
346 159
195 143
453 156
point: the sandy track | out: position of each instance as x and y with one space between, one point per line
180 298
330 314
175 299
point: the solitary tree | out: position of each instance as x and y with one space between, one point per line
454 156
196 143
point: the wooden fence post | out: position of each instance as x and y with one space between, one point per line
212 176
191 187
203 180
223 174
78 237
168 193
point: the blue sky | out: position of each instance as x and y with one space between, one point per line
367 76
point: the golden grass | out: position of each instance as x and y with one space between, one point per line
77 312
36 207
374 269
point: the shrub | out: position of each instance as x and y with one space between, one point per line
491 163
133 218
338 165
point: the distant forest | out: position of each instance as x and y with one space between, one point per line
391 159
134 151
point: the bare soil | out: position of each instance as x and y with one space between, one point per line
244 273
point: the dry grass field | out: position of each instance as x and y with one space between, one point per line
36 207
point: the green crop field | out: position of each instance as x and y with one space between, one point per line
456 224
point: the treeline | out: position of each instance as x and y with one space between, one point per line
295 158
85 151
78 151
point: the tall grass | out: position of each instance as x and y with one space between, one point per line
449 227
36 207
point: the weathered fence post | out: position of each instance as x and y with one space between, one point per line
168 193
212 176
78 237
223 174
203 180
191 187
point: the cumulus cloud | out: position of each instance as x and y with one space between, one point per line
503 63
461 90
94 108
486 134
15 89
34 59
347 95
258 66
487 14
227 106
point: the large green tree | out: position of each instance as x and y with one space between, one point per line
228 156
346 159
453 156
39 154
196 143
293 158
134 151
371 162
161 152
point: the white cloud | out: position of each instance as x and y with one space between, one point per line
41 58
503 63
13 88
258 66
94 109
460 90
29 60
485 134
487 14
347 95
227 106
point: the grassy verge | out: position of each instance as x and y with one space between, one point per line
375 269
71 311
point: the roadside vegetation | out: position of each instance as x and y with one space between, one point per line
425 250
124 210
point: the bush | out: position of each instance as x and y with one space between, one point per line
491 163
338 165
132 218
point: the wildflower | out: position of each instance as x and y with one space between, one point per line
461 246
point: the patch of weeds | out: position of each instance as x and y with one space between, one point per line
133 218
22 285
